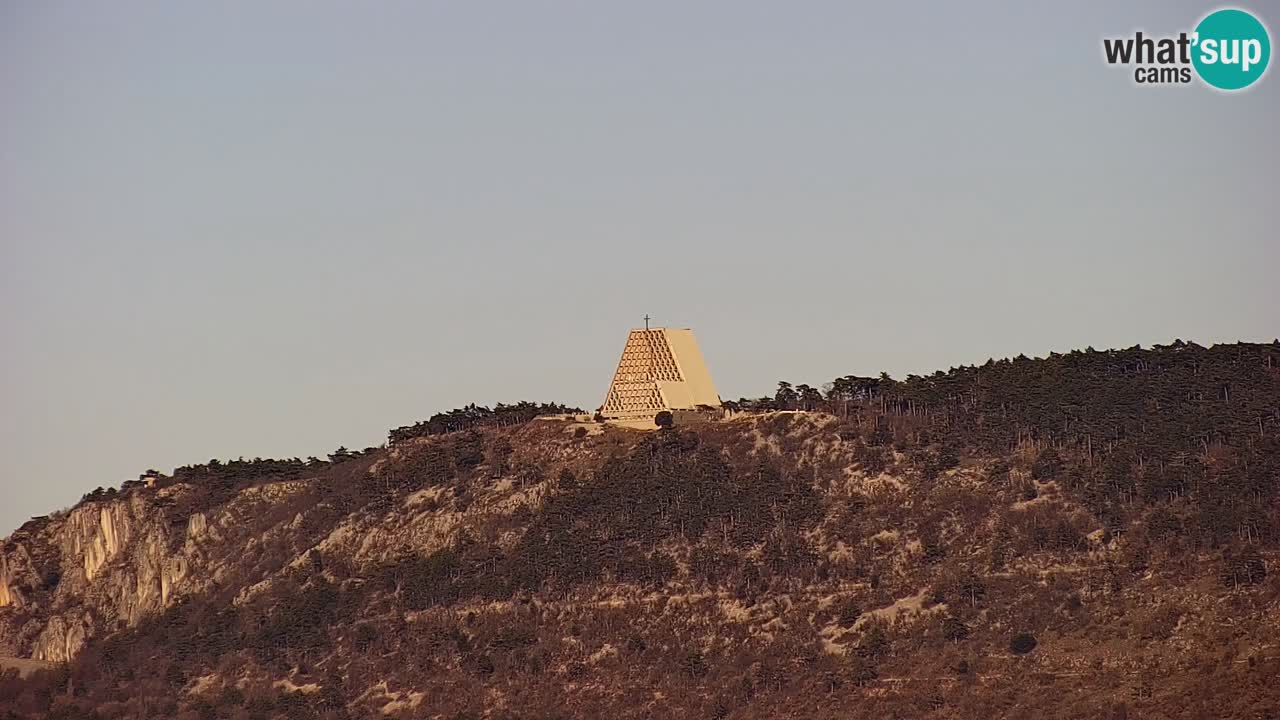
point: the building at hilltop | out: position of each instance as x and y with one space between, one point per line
660 369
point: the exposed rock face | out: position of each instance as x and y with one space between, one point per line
110 564
7 596
62 638
104 565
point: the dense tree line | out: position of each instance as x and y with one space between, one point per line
241 471
473 415
1189 433
219 479
1178 397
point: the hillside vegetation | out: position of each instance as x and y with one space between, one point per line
1092 534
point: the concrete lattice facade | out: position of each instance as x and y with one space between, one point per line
660 369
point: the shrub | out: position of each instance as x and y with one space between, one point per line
1022 643
1047 466
1245 567
694 665
954 630
848 614
468 450
875 641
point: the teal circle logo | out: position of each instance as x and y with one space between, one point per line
1231 49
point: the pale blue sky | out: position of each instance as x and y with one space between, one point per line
273 228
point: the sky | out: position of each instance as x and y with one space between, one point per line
244 229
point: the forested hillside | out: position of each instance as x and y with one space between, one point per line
1092 534
1178 426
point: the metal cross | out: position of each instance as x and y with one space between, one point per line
646 321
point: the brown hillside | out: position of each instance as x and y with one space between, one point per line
799 564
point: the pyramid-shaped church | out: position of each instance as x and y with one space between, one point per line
660 369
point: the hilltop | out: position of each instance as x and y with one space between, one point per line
1092 534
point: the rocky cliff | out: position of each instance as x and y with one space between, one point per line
102 566
107 565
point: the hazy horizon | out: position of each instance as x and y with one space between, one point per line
245 230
